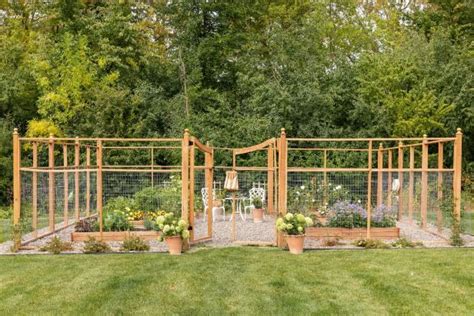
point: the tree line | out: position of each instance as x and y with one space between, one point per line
235 72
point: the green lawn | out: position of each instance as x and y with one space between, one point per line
242 281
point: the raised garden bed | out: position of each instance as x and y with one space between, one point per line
115 236
353 233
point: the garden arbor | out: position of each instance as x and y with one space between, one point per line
58 181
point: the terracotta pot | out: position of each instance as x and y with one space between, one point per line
175 245
295 243
258 215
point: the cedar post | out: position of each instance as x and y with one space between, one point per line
185 176
282 182
209 163
152 153
389 180
99 186
424 182
439 215
411 182
66 186
380 175
325 179
16 177
76 178
400 180
88 181
191 190
51 189
35 191
270 180
457 166
369 189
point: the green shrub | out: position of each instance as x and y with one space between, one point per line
405 243
6 212
119 204
92 245
56 246
332 242
293 224
371 244
257 203
166 197
135 243
117 221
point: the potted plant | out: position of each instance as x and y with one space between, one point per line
257 210
173 231
293 226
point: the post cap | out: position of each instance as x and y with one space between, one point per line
186 130
283 131
458 130
15 131
425 136
51 135
380 145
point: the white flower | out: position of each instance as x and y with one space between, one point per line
166 228
313 200
289 216
298 192
302 187
359 201
338 187
309 221
300 229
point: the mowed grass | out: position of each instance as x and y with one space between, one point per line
241 281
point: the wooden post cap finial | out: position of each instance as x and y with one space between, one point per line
283 131
424 135
15 131
400 143
380 145
186 130
51 135
458 130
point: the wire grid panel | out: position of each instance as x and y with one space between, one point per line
163 193
200 228
309 192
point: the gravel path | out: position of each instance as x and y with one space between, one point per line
248 232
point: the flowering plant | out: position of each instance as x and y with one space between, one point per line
384 216
347 215
170 225
293 224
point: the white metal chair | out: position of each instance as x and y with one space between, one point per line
205 195
254 193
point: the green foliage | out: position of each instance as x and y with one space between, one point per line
116 221
234 73
91 245
257 203
405 243
166 197
371 244
119 204
6 212
56 246
135 243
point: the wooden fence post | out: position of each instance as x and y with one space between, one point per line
66 187
185 176
389 180
439 214
16 177
325 179
424 182
99 186
380 175
270 169
88 181
35 191
76 178
191 190
51 189
369 189
411 182
400 180
282 182
209 163
457 177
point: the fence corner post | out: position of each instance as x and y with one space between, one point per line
282 182
457 166
16 177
